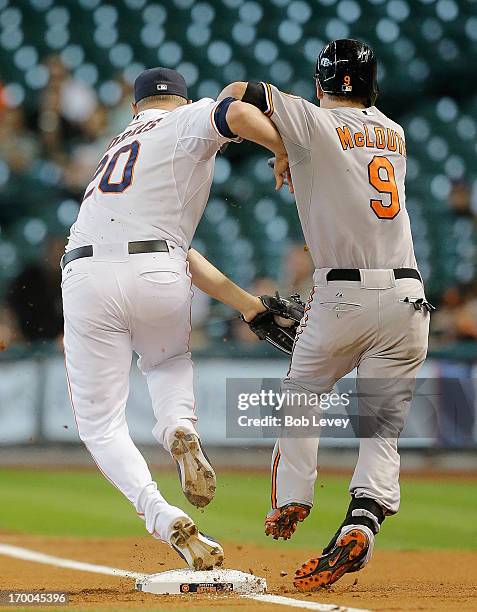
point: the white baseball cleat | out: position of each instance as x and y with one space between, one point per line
195 472
199 551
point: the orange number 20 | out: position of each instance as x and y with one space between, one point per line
376 167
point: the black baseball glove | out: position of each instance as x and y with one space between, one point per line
279 323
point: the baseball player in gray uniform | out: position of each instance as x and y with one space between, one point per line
367 309
126 287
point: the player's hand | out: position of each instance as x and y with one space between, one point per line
278 322
252 308
281 171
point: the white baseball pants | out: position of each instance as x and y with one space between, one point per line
364 325
115 303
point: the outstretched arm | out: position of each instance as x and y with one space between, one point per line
206 277
250 104
295 118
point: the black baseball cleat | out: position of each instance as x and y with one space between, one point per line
350 553
196 475
282 522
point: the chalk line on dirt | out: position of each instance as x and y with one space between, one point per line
31 555
37 557
304 605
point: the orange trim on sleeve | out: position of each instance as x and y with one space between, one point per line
269 96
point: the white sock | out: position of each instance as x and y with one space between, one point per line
157 513
369 533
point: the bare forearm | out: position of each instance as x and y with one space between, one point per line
210 280
248 122
234 90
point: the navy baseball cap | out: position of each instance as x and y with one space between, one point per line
159 82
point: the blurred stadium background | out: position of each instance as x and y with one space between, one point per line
67 69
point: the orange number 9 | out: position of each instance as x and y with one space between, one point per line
384 185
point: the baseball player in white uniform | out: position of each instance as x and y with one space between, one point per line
126 287
367 309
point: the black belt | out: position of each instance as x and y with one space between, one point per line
351 274
141 246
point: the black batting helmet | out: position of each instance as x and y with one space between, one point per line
347 67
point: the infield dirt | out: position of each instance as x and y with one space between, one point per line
395 580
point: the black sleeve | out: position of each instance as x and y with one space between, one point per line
255 95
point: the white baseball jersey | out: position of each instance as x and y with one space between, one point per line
152 183
154 180
348 167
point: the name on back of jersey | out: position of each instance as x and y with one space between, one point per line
378 137
142 127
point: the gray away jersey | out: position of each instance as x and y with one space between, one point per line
348 167
154 180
